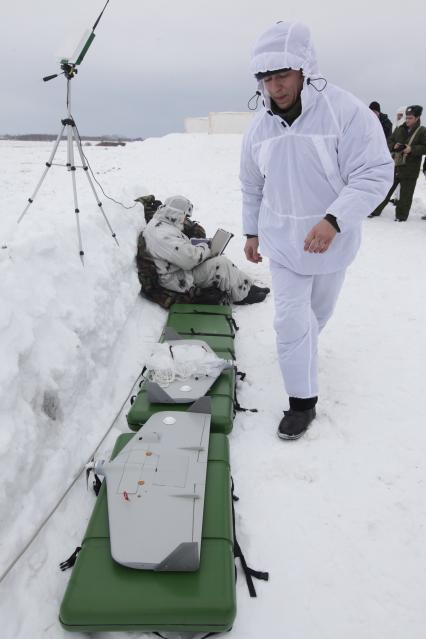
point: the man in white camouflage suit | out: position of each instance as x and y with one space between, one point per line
314 164
182 265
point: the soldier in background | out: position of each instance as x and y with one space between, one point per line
407 145
399 119
383 118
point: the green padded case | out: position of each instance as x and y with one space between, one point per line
211 323
103 595
222 393
201 309
193 324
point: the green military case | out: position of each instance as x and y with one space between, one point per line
193 324
213 324
201 309
103 595
222 393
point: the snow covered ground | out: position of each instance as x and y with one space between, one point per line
338 517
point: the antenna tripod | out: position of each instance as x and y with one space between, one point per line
72 135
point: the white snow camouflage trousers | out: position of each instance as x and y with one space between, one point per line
303 305
225 275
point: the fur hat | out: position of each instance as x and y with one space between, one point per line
414 109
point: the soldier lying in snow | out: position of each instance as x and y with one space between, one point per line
183 268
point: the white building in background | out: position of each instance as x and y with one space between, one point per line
220 122
196 125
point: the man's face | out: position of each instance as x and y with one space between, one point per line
399 116
284 87
411 120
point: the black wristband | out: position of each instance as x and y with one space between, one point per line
250 236
333 221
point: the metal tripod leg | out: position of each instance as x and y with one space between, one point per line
86 170
71 135
70 155
48 165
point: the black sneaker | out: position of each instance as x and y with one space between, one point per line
295 423
254 295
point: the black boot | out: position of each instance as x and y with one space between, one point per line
265 289
254 295
295 423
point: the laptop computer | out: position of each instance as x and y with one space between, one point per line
219 242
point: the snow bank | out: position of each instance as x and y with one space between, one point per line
58 326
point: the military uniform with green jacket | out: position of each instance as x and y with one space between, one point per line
407 168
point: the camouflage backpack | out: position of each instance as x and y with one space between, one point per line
150 205
147 273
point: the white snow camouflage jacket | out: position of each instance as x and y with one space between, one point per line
332 159
174 255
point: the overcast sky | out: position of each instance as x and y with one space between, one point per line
154 62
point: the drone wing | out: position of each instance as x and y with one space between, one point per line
155 490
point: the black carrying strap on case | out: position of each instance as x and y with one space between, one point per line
237 405
96 484
248 572
208 311
209 634
233 324
69 563
142 376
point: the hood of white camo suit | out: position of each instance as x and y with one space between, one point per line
174 210
285 45
396 122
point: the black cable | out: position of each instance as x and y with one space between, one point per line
97 182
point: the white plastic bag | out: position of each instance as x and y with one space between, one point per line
160 365
181 361
196 360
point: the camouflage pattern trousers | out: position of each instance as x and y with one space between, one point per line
221 272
